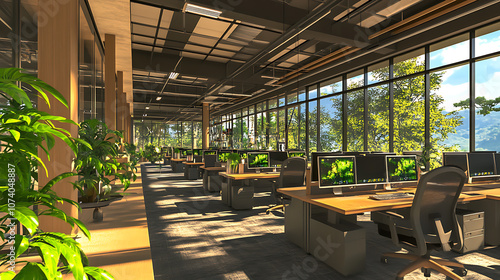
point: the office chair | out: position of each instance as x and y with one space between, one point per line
431 224
293 173
210 160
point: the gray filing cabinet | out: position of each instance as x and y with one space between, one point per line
472 224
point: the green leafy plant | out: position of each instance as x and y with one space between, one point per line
152 153
133 155
97 163
234 159
223 157
24 129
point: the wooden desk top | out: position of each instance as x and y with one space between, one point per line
357 204
167 156
490 193
193 163
246 176
178 159
213 168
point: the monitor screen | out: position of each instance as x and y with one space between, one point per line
184 152
481 164
223 156
401 168
497 163
457 159
296 154
197 152
314 163
277 158
209 152
336 171
189 152
258 160
370 169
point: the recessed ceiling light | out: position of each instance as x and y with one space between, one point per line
158 98
173 75
199 10
235 94
147 107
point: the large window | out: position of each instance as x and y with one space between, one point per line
330 119
487 104
415 101
378 118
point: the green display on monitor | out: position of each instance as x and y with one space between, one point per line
335 171
197 152
401 168
296 154
258 160
223 156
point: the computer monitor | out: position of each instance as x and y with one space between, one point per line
197 152
296 154
209 152
257 160
222 155
481 164
497 163
401 168
277 158
336 171
371 169
314 162
184 152
457 159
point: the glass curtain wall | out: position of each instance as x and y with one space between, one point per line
443 97
171 134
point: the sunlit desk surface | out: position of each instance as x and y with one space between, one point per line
193 163
352 204
247 176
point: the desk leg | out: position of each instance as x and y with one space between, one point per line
191 172
297 215
214 182
225 196
206 180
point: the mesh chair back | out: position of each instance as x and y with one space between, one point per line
210 160
436 197
293 172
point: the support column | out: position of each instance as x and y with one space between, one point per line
128 125
110 81
121 103
58 66
206 125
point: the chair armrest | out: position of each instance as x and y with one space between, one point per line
444 238
394 218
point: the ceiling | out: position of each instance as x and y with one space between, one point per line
181 59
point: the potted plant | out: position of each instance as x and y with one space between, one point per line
23 130
233 160
151 153
96 165
177 153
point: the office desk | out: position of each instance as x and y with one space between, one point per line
313 220
191 170
211 179
237 191
177 166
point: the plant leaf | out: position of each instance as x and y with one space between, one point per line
98 273
21 244
15 134
8 275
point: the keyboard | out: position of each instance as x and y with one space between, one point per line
390 196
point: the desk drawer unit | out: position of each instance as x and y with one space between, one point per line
491 209
472 224
342 246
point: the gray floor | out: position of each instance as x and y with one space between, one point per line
194 236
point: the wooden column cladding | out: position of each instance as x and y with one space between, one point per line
110 81
206 125
58 66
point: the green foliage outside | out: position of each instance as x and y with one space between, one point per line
223 157
340 171
23 131
152 153
402 169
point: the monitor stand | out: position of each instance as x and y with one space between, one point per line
388 187
337 191
257 170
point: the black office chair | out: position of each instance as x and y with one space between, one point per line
293 173
210 160
431 224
